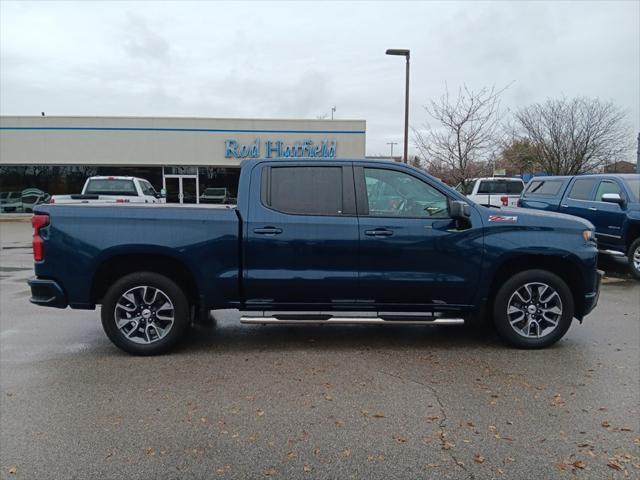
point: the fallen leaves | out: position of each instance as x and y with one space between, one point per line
13 470
614 465
150 451
478 458
260 412
558 401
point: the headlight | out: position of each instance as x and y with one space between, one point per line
588 235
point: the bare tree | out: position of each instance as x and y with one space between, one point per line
465 138
577 135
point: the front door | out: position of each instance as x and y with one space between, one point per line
301 237
411 254
608 217
182 188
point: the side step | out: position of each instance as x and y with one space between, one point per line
613 253
352 318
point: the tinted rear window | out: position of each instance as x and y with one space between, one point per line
306 190
111 187
544 187
500 187
582 188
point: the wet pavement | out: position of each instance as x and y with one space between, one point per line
314 402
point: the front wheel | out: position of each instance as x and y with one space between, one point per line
633 256
145 313
533 309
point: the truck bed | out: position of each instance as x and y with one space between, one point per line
89 235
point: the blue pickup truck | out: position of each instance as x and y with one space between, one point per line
318 242
611 202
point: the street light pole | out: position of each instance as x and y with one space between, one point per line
405 53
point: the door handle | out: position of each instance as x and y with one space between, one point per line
593 209
379 232
564 205
267 231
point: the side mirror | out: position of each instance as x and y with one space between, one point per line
613 198
459 210
163 193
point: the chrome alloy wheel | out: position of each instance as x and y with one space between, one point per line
144 314
636 258
534 310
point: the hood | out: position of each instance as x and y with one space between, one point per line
531 217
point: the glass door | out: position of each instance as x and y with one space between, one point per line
189 190
182 188
172 186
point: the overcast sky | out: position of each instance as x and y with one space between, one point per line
297 59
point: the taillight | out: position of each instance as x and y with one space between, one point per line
505 200
38 222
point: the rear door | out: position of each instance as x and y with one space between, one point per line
609 218
579 198
412 257
301 236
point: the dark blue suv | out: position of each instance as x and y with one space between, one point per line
611 202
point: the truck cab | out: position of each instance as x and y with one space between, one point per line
611 202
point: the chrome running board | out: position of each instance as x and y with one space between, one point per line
614 253
351 318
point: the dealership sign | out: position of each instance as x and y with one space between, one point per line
280 149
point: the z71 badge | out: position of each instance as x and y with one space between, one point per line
503 218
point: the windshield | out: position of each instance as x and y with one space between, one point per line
113 186
633 184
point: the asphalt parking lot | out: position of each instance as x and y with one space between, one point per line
314 402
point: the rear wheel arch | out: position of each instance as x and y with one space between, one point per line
114 268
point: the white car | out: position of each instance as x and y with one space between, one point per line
113 190
495 191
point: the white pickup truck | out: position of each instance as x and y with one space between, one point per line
113 190
495 191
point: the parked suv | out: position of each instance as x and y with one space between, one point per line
610 201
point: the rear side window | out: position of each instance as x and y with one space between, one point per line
582 188
111 187
544 187
306 190
500 187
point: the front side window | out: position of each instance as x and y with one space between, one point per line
582 189
607 186
391 193
306 190
147 188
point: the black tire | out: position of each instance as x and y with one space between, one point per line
133 283
633 258
508 291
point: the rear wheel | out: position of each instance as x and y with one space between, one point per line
533 309
145 313
633 257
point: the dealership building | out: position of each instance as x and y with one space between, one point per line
42 156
